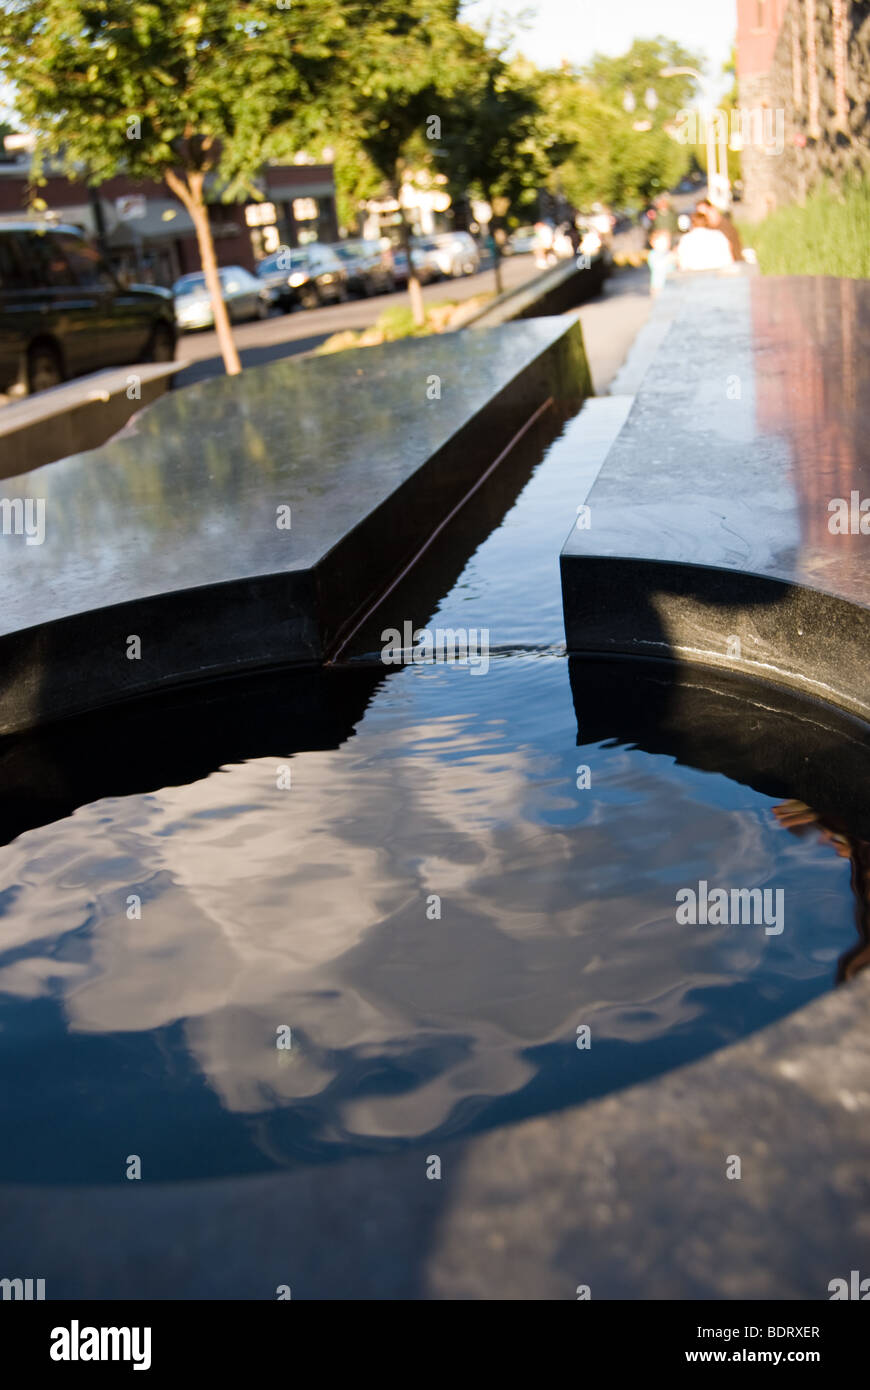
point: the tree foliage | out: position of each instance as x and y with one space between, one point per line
181 90
403 70
600 150
490 136
202 93
212 84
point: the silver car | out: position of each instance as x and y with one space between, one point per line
426 260
521 242
244 296
455 253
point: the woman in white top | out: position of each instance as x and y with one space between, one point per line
702 248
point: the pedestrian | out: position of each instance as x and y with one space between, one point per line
666 218
719 221
703 248
660 260
544 231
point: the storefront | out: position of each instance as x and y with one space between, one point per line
301 200
149 236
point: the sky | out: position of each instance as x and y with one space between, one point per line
575 29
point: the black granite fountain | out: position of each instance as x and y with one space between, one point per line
378 964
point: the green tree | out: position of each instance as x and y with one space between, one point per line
402 70
605 141
489 136
199 93
356 179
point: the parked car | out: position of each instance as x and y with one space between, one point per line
426 268
436 257
520 243
64 312
450 254
426 260
243 295
369 267
307 275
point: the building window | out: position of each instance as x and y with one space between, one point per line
760 17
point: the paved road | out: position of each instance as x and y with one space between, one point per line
609 323
283 335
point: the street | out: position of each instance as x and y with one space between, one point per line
609 322
284 335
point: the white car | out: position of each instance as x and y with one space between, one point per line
454 253
522 242
244 296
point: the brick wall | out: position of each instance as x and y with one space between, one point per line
820 79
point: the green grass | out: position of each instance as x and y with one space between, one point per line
397 322
829 235
391 325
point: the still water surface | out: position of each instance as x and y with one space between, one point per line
432 906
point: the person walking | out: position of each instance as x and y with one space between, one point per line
666 217
719 221
660 260
703 247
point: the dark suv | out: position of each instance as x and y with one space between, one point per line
63 312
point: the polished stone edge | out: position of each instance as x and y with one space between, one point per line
754 732
554 291
78 663
627 1194
78 416
348 583
769 629
660 574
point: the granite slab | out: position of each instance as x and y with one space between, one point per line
726 524
81 414
244 522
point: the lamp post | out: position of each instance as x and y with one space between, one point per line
720 176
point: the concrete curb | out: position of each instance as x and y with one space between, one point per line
80 415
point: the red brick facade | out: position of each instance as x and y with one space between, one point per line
163 246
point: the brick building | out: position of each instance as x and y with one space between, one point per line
148 234
806 63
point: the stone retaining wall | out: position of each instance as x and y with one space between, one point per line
820 80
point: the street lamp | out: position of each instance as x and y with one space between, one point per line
713 172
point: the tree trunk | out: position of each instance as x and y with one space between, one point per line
493 226
415 290
190 194
415 293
